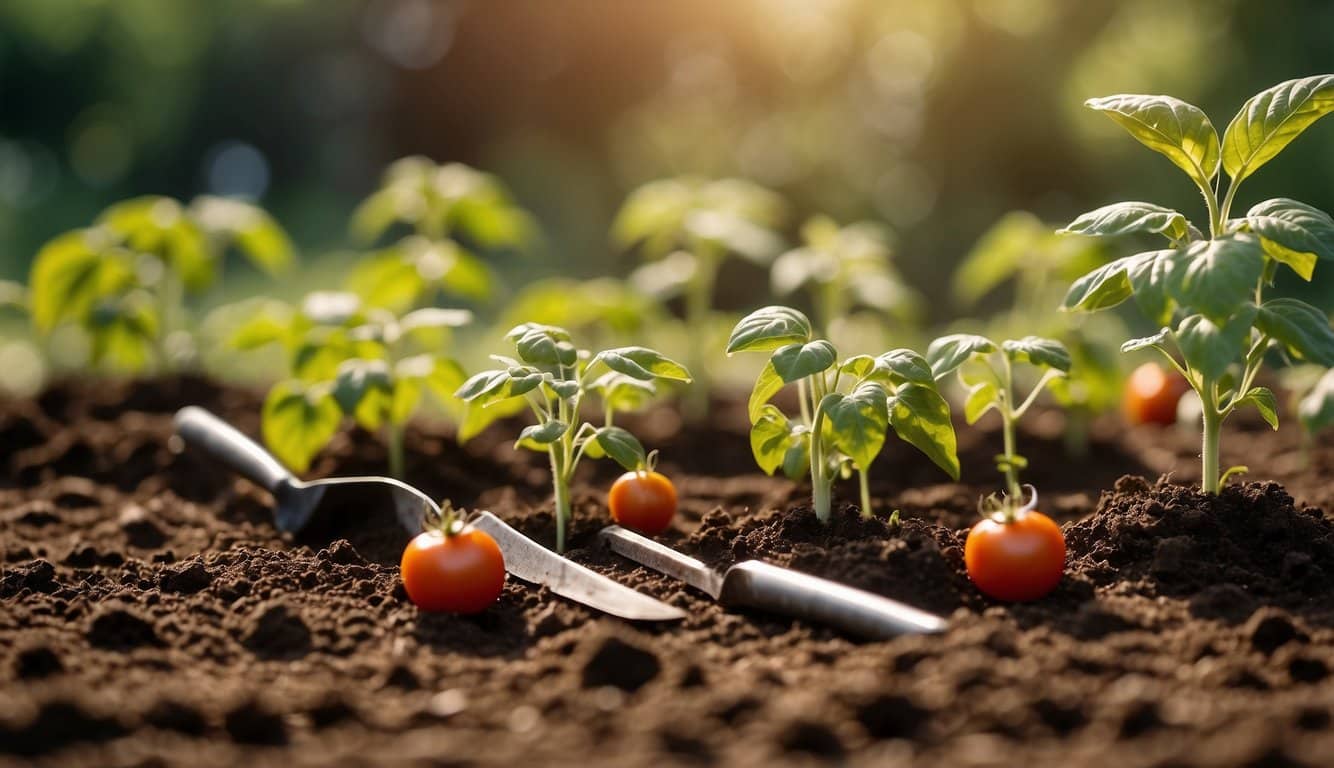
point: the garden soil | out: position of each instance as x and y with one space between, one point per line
151 615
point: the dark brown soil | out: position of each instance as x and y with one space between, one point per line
151 615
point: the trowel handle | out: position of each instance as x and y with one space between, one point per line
223 442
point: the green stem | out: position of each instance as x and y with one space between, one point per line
822 486
1215 213
866 493
1226 209
561 484
1213 423
1008 419
698 304
394 441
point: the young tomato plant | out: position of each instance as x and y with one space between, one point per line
847 408
124 279
1208 291
986 370
346 360
555 379
453 211
685 228
844 268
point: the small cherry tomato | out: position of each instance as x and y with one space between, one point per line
643 500
1015 561
463 572
1151 395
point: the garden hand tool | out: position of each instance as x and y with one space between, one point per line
296 500
756 584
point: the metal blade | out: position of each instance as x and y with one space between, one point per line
532 562
662 559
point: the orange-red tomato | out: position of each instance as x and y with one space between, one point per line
462 573
1021 560
1151 395
643 500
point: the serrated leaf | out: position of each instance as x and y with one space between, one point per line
1210 348
623 447
1179 131
797 361
1316 409
771 436
642 363
539 436
947 353
1035 350
1292 233
1130 218
981 398
921 417
1156 340
1271 119
859 421
769 328
1216 276
1263 401
1301 328
298 422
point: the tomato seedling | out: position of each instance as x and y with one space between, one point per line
643 499
124 279
843 268
1207 291
685 228
1015 555
350 360
554 379
453 211
450 567
986 370
847 408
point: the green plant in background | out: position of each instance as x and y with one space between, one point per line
1023 252
348 360
124 279
603 310
685 228
847 408
454 212
1311 389
986 370
1208 291
554 379
844 268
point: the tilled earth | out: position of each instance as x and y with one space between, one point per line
150 614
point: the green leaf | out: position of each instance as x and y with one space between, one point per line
1209 348
921 417
298 422
1044 353
1169 126
1301 328
1263 401
477 417
492 386
982 397
494 223
1316 410
1156 340
904 365
859 421
545 345
797 361
769 328
254 232
358 380
947 353
771 435
766 386
158 226
1005 249
1217 276
1292 233
70 275
267 322
1104 287
623 447
642 363
123 331
538 436
336 308
387 280
1271 119
1130 218
623 393
797 458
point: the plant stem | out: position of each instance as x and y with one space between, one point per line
698 304
561 484
821 485
866 492
1213 423
1008 419
394 441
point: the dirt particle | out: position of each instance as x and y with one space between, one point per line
621 664
1269 630
140 531
892 716
686 746
251 723
39 576
34 663
1314 719
331 712
813 739
1305 669
56 725
277 632
1228 603
120 629
174 716
185 578
1063 718
401 677
342 552
692 677
1141 717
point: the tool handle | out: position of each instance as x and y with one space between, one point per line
755 584
225 443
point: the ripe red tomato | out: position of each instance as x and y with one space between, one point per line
1151 395
1016 561
460 573
644 500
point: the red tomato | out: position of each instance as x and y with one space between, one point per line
1016 561
462 573
1151 395
644 500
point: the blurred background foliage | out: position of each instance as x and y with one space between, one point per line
934 118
